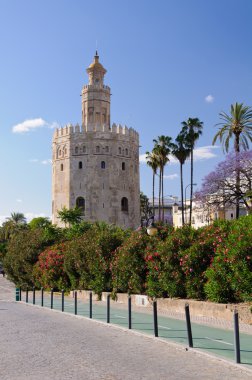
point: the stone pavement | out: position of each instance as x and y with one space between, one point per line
38 344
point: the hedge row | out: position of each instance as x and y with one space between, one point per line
212 263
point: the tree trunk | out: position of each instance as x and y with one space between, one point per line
237 150
182 193
153 193
191 195
163 195
159 196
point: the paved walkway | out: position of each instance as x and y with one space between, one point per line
38 343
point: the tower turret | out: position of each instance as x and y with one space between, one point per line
95 98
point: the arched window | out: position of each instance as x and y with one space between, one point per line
106 149
60 152
120 150
80 202
123 165
76 150
65 151
61 167
126 152
97 149
124 204
84 149
103 165
80 165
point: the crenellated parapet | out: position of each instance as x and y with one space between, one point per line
116 129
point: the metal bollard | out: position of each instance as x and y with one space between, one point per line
129 311
17 294
42 297
155 318
27 296
108 308
33 295
52 298
237 337
75 303
62 300
188 325
90 305
20 294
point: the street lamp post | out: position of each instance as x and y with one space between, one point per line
150 227
194 184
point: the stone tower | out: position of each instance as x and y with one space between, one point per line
96 166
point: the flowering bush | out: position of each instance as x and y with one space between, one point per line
171 276
49 270
229 277
128 265
199 256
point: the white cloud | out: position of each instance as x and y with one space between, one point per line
19 200
171 176
204 152
30 215
54 125
46 162
3 219
209 98
43 162
29 125
201 153
32 125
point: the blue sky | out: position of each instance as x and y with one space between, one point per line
167 60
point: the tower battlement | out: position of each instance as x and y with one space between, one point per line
118 129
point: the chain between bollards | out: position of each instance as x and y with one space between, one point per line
188 325
108 308
75 302
42 297
52 298
129 311
155 318
62 300
237 338
33 295
90 305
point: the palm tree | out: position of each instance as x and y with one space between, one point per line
238 125
152 162
162 149
17 218
191 131
181 152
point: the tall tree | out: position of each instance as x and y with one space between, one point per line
181 152
70 216
191 131
237 125
162 148
152 162
17 218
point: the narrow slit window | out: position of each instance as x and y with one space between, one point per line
123 165
80 165
61 167
103 165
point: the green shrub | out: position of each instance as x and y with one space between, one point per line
171 277
229 277
128 264
196 259
22 253
49 270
